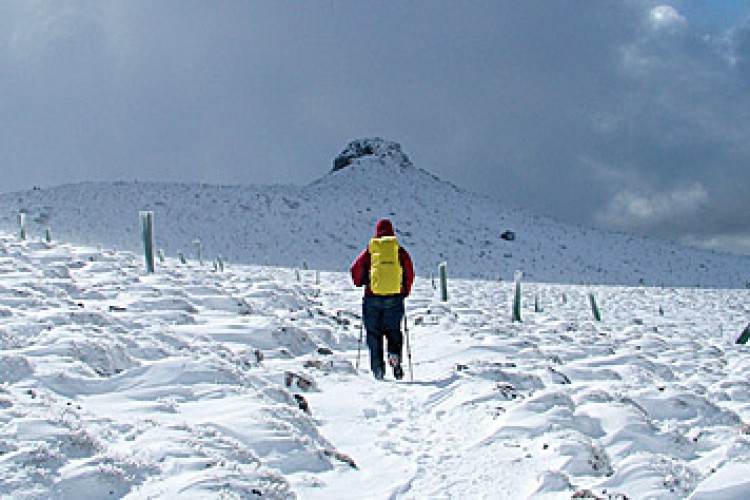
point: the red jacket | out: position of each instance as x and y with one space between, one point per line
360 269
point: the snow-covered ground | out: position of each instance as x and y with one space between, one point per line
243 384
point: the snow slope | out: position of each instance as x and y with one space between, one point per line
325 225
190 383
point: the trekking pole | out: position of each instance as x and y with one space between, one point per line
408 347
359 344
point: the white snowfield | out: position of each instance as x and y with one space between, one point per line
190 383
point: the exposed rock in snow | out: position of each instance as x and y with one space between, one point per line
385 152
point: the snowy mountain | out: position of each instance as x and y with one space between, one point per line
325 224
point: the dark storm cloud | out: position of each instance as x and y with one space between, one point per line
625 114
676 153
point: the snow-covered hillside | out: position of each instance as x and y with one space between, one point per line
325 225
190 383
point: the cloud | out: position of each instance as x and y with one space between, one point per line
666 17
629 210
739 244
674 133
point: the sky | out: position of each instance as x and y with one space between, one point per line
630 115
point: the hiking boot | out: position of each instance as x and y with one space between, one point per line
395 361
379 374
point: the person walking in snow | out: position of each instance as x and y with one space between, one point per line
386 271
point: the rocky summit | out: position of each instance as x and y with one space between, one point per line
385 152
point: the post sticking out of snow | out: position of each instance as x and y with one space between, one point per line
183 260
22 225
745 335
48 235
537 306
317 277
160 253
220 264
443 269
594 308
198 252
517 298
147 225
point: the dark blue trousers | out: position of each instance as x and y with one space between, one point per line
382 316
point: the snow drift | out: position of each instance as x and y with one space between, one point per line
190 383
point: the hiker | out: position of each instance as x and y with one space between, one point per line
385 269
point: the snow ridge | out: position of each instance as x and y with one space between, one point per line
324 225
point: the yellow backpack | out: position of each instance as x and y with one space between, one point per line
385 268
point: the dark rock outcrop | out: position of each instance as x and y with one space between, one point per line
387 152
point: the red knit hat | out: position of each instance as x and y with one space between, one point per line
384 228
